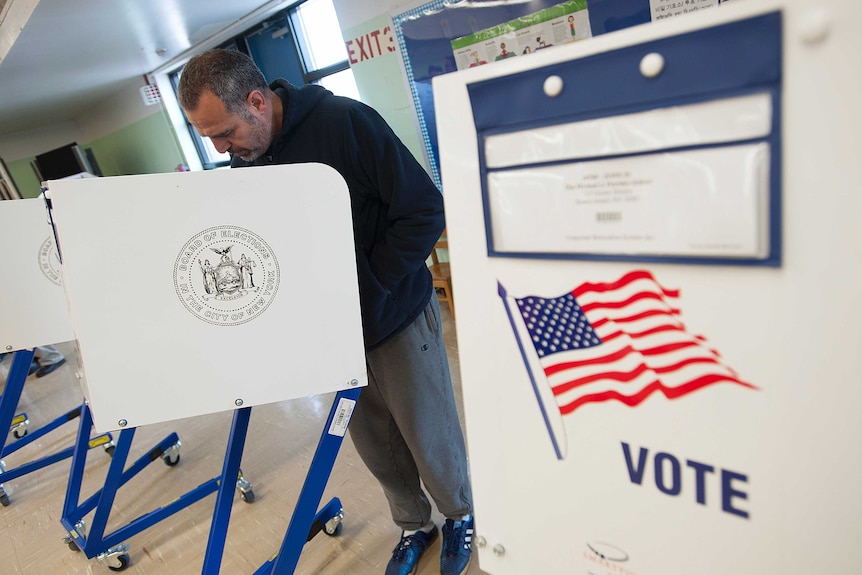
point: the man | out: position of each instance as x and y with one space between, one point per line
49 358
406 425
46 359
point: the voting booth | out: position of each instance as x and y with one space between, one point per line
195 293
34 305
654 242
33 314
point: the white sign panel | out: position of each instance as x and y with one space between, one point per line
631 416
198 292
32 301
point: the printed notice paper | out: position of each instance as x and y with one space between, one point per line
709 202
661 9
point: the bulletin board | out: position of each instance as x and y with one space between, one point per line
664 417
425 36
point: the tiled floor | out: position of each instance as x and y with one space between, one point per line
281 442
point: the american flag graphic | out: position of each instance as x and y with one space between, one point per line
619 341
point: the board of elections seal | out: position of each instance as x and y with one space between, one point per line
49 261
226 275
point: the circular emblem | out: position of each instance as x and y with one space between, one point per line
49 261
226 275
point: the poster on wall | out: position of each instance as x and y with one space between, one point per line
561 24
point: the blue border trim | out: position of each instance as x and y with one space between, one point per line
397 21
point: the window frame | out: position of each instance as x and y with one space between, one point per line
239 41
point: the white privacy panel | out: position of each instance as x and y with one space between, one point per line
198 292
32 304
629 409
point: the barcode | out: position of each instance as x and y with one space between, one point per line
342 418
609 217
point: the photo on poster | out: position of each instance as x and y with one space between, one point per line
561 24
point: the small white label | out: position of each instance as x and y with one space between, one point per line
342 417
661 9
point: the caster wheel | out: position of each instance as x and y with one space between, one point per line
109 449
333 526
247 496
171 462
4 500
19 433
73 547
123 561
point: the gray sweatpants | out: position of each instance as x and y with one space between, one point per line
406 425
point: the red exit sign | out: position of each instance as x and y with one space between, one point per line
375 43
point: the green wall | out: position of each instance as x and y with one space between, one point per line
145 147
25 178
382 86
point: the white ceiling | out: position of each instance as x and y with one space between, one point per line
71 54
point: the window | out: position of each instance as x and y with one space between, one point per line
301 44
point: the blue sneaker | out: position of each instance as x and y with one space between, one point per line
406 554
457 547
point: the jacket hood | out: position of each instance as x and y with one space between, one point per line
297 102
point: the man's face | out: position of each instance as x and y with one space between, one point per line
247 138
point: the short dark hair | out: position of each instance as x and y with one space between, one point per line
230 75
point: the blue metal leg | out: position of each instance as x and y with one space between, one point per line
9 402
224 498
79 459
304 514
14 386
113 482
97 542
133 470
41 462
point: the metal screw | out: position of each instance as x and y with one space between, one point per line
480 541
122 423
8 347
238 402
499 550
354 382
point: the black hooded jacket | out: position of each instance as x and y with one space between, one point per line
397 209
